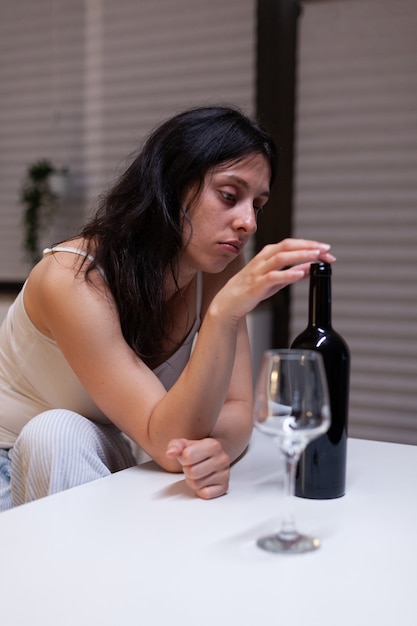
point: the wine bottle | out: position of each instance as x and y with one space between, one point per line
321 471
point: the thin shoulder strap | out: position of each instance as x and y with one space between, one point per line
83 253
68 249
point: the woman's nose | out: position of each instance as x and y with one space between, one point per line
246 218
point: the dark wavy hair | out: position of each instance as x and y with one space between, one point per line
136 234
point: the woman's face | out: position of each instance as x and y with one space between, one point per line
223 214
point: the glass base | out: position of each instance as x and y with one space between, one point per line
286 543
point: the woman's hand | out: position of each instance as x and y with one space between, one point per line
205 465
273 268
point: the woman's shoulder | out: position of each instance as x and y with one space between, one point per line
59 277
60 267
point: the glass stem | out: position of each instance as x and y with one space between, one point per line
288 527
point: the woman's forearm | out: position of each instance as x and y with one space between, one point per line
191 408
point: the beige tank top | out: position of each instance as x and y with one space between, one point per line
35 377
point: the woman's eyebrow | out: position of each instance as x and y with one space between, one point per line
244 183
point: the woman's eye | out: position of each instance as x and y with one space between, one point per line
228 196
257 209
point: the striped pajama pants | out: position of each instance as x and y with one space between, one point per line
57 450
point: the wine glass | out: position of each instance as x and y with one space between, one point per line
291 406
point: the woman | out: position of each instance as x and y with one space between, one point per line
99 342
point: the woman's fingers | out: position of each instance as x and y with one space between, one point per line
292 253
213 489
299 244
205 465
273 268
207 485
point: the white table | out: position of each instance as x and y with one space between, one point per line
136 548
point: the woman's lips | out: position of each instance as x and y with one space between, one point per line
232 246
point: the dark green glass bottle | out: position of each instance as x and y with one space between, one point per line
321 471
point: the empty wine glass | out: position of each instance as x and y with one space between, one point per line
291 405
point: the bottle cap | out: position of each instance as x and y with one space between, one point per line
320 269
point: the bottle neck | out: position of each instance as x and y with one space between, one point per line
320 303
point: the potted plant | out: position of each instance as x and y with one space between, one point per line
40 202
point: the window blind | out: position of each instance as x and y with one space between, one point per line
41 45
356 187
153 59
83 83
